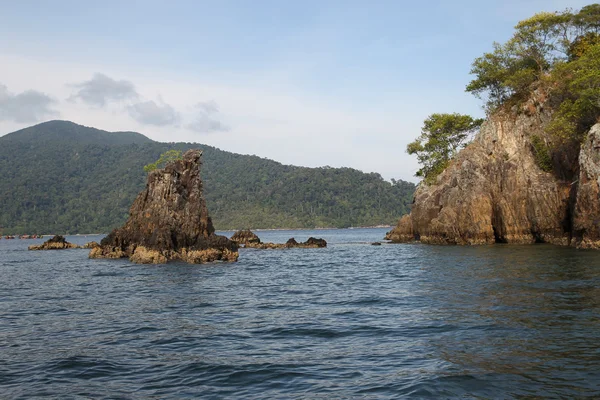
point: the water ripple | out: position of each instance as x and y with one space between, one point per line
349 321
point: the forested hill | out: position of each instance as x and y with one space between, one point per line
60 177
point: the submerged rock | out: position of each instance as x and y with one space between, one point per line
169 221
58 242
245 237
266 246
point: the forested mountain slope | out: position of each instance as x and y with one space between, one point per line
60 177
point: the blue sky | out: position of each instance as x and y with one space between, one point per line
340 83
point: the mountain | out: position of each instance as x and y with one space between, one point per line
62 177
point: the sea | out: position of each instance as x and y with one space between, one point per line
350 321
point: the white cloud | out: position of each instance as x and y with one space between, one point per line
102 89
206 120
152 113
25 107
266 119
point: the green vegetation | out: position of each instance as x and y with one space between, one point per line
164 159
541 151
60 177
441 137
556 54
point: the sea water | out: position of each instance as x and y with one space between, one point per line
349 321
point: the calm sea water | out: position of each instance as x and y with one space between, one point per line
349 321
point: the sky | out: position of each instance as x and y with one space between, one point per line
310 83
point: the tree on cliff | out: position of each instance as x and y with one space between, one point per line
441 137
539 44
558 52
164 159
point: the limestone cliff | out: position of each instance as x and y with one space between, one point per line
494 190
169 221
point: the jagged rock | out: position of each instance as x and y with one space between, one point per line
311 243
314 242
494 191
403 232
91 245
169 221
245 237
291 243
58 242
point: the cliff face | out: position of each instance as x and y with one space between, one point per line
494 191
586 215
169 220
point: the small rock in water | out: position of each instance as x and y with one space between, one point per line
376 244
58 242
245 237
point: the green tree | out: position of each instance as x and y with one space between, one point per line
441 137
576 86
165 158
539 44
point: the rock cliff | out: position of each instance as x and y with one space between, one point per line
169 221
494 191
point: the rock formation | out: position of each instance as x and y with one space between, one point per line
169 221
311 243
58 242
495 192
245 237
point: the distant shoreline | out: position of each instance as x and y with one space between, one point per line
234 230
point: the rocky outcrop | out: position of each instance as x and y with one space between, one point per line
169 221
58 242
245 237
311 243
495 192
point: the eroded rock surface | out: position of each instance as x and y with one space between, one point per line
58 242
494 191
245 237
169 221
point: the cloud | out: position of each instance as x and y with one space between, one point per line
205 121
102 89
25 107
152 113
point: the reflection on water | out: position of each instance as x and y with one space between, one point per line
349 321
525 314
